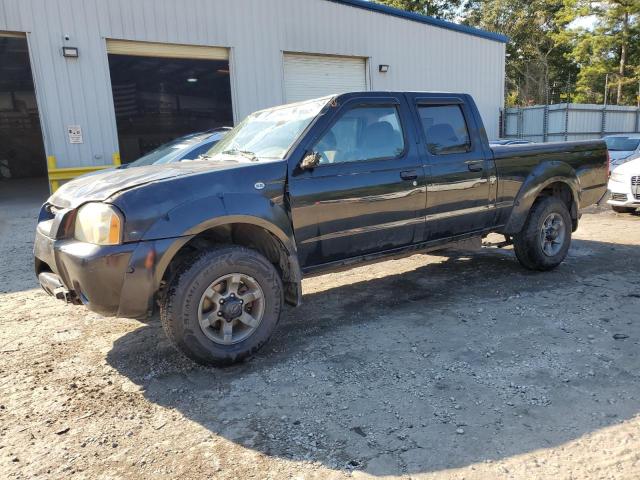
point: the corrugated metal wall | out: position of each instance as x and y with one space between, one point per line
78 91
571 121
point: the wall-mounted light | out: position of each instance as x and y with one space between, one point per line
192 80
70 52
383 68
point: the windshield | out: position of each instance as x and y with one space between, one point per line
622 144
167 152
268 134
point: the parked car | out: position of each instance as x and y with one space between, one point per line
187 147
508 141
624 186
220 243
622 147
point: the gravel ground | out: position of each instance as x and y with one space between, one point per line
462 366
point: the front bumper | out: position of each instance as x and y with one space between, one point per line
624 194
119 280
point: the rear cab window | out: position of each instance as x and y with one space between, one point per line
445 129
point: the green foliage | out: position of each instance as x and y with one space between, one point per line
433 8
610 49
512 99
536 67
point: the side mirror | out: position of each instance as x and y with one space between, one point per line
310 161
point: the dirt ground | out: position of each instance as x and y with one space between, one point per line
431 366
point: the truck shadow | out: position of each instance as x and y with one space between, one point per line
459 360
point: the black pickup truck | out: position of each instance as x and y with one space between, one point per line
219 243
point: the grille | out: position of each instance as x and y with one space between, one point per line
635 180
619 197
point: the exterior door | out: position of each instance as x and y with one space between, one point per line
459 172
368 193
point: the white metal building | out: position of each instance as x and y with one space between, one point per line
129 66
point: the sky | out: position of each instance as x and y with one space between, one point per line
584 22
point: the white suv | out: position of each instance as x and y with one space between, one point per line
624 185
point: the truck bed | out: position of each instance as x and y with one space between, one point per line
588 159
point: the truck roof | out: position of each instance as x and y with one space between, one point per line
362 93
399 92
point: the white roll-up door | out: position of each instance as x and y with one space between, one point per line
166 50
312 76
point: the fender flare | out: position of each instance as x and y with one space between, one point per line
192 218
543 175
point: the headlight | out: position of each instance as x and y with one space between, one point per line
98 223
617 177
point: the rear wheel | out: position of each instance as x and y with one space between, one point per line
223 305
545 238
617 209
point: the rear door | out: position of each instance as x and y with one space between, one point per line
368 193
460 180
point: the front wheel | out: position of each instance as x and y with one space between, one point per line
617 209
222 305
545 238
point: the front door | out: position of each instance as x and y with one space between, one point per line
368 192
459 172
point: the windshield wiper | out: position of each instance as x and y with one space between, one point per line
245 153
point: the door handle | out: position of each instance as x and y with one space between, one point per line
409 175
475 165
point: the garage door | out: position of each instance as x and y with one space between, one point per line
165 91
312 76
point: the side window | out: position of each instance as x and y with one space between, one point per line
362 133
445 129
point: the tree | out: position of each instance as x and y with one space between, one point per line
610 49
433 8
537 69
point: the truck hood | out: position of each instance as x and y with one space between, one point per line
102 186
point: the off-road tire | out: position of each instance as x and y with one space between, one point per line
179 306
617 209
527 244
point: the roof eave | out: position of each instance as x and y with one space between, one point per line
416 17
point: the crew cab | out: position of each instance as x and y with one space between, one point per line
220 243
